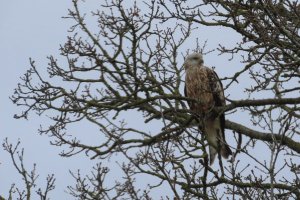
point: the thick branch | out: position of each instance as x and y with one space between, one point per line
269 137
261 102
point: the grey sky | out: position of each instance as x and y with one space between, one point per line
34 28
30 28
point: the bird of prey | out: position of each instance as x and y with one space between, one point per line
204 86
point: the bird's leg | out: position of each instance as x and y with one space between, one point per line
200 120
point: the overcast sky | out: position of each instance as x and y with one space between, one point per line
31 28
34 28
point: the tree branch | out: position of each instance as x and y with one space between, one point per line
269 137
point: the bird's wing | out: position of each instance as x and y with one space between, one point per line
216 87
185 94
219 100
218 95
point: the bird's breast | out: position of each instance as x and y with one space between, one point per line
198 87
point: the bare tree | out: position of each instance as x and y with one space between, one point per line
29 177
132 65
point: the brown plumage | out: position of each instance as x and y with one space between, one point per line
203 85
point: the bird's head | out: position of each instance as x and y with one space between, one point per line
193 60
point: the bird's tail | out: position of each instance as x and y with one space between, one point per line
216 140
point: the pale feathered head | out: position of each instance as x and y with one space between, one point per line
194 59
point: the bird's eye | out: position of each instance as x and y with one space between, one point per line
194 58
